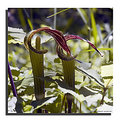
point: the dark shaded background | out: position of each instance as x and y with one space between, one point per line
68 21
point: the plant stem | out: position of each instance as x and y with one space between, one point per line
69 78
38 71
11 81
80 107
69 73
104 93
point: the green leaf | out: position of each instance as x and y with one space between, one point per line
12 104
104 108
92 74
42 102
56 104
85 65
86 91
65 89
15 30
80 98
27 82
14 41
9 37
93 99
28 90
107 70
15 35
18 82
27 109
57 60
107 74
15 71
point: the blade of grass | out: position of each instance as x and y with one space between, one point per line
21 17
92 50
59 12
99 33
30 23
94 29
82 16
28 19
81 11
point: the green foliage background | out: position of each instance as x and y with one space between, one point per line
94 24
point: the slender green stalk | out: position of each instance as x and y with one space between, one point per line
21 18
94 28
68 63
69 78
80 107
69 72
58 12
38 71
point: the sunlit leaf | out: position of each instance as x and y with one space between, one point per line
12 105
80 98
15 30
56 104
104 109
42 102
107 70
107 74
27 109
92 74
93 99
15 71
84 65
16 35
27 82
